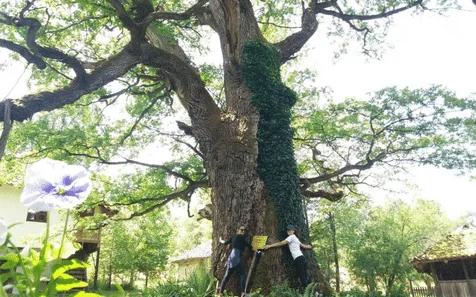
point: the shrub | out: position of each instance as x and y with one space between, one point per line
169 290
283 290
201 282
359 293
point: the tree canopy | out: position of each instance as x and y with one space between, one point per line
120 82
78 49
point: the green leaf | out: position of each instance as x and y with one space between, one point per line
67 282
2 292
11 261
5 276
60 268
120 289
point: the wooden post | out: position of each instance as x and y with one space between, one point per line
96 270
411 288
252 272
435 278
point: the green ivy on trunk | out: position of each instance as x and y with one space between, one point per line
276 163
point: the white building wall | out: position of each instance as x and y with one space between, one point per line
12 211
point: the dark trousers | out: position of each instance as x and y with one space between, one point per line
240 270
301 269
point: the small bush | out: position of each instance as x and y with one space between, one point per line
397 291
283 290
359 293
201 282
169 290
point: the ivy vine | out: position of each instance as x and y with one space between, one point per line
276 163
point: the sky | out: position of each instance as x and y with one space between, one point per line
425 49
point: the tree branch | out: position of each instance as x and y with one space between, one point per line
386 14
116 66
190 89
293 43
138 119
194 9
363 165
124 17
24 52
187 192
323 194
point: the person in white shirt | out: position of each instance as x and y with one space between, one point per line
295 246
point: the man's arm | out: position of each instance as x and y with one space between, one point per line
306 246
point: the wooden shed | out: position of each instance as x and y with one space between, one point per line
452 263
190 260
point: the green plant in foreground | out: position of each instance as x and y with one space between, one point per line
201 282
49 185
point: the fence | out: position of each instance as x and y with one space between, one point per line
423 292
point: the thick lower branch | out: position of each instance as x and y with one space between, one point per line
191 90
323 194
115 67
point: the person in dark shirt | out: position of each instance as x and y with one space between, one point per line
234 263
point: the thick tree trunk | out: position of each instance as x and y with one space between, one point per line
239 194
240 198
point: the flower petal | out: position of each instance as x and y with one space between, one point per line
51 184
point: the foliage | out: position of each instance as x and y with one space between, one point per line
377 243
359 293
283 290
129 247
394 128
199 284
49 184
40 273
108 75
169 290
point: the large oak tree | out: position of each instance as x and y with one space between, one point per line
143 54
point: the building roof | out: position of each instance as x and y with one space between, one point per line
201 251
460 244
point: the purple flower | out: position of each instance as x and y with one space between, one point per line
51 184
3 232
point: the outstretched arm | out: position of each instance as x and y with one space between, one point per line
225 242
306 246
275 245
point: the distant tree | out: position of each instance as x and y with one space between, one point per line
139 246
376 244
187 233
331 231
379 253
